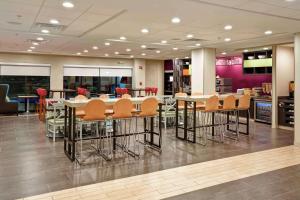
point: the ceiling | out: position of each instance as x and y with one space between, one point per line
94 22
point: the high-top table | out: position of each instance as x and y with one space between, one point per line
62 92
193 101
27 101
70 125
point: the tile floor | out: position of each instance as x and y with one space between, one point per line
31 164
180 180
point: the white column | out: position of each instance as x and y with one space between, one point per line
297 90
139 71
274 88
204 71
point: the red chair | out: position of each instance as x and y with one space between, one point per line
124 91
147 91
154 91
119 92
82 91
42 103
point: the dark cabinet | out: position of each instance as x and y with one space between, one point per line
286 112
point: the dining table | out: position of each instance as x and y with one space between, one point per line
62 92
70 125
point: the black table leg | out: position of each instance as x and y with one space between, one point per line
185 120
194 121
213 124
248 116
159 125
73 133
65 128
176 119
114 135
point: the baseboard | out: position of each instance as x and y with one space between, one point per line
286 128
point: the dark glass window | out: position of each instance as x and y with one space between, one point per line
25 85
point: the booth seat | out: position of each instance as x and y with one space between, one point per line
6 105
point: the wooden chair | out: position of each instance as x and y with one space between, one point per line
80 111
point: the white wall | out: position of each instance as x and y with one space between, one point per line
155 75
297 90
285 69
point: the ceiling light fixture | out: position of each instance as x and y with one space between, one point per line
107 44
266 48
68 4
227 39
223 53
85 51
143 46
32 47
198 45
187 57
290 1
175 48
122 38
45 31
143 54
158 51
95 47
228 27
164 42
78 53
106 55
176 20
29 50
117 53
40 39
54 21
246 50
128 50
132 56
268 32
189 35
145 31
36 43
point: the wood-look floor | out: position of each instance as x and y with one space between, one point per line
31 164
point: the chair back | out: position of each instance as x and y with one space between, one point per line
181 94
104 96
229 103
149 107
80 97
94 110
82 91
41 92
154 91
126 96
244 102
122 109
212 104
147 91
3 92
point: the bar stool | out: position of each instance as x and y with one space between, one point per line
42 103
80 111
123 116
228 109
109 108
148 111
94 113
244 105
207 117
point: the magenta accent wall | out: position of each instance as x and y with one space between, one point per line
241 80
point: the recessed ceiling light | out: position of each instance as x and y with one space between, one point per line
78 53
187 57
224 53
29 50
40 39
36 43
176 20
198 45
68 4
122 38
117 53
175 48
290 0
228 27
85 51
227 39
266 48
189 35
143 54
144 30
158 51
128 50
54 21
45 31
246 50
268 32
143 46
164 42
32 47
107 44
106 55
95 47
132 56
176 58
